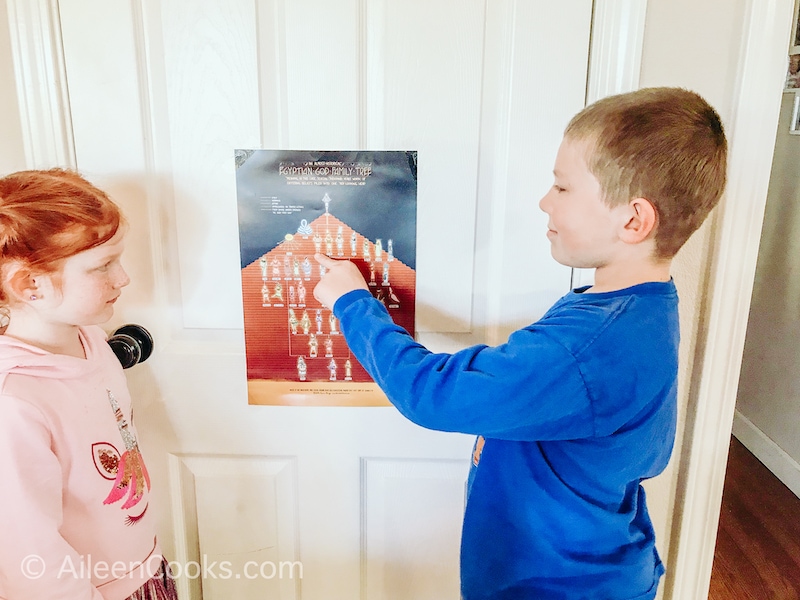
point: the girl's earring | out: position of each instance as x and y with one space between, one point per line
33 296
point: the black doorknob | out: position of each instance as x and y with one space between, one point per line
131 344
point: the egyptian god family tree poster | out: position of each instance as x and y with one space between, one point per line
359 206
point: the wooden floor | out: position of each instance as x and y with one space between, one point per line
758 544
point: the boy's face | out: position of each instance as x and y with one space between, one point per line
582 229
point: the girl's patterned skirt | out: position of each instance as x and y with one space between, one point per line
160 587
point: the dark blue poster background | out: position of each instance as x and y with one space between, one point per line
371 191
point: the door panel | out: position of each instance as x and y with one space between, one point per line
368 504
423 92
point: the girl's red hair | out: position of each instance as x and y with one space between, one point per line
47 216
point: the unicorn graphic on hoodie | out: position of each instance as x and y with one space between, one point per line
132 476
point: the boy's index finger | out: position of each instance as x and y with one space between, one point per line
324 260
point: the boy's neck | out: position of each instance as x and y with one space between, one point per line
619 276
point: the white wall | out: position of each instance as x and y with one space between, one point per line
768 404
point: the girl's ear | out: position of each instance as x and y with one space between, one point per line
21 283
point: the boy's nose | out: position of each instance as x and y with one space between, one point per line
543 202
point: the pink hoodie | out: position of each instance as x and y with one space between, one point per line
74 519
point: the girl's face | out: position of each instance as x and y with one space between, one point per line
87 286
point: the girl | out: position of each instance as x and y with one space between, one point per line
75 489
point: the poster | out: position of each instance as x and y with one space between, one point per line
358 206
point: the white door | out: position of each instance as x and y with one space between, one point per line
152 97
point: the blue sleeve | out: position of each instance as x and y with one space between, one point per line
530 388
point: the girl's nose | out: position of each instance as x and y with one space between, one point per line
123 278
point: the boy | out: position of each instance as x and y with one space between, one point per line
575 410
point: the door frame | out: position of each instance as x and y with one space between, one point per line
44 114
726 303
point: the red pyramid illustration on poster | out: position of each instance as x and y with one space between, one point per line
289 335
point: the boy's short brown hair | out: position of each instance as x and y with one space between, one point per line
666 145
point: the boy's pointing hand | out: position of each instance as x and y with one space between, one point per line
342 276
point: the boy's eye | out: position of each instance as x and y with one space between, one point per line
558 188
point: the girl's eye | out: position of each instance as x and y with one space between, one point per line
558 188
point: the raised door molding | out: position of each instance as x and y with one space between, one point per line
41 83
405 552
236 526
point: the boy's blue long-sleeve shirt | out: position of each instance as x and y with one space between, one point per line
575 410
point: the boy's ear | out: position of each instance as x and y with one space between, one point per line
642 221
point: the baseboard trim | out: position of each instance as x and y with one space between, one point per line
783 466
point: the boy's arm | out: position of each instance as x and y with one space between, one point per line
528 388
